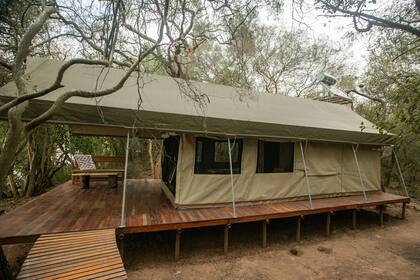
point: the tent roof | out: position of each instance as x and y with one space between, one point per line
168 104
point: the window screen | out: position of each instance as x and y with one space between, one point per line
212 156
275 157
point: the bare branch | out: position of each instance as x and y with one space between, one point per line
55 85
91 94
24 46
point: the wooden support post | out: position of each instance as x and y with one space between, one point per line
381 215
328 225
354 219
85 181
298 226
113 181
264 233
178 243
121 247
226 239
404 205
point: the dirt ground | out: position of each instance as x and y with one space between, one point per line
370 252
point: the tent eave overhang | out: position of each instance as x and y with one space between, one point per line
100 120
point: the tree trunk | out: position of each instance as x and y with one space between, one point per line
12 185
30 177
152 164
10 146
157 168
5 271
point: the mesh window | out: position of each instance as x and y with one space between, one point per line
275 157
212 156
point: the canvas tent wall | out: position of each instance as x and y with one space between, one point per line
331 169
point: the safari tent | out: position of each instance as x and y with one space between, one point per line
229 156
223 144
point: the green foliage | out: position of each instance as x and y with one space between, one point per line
393 75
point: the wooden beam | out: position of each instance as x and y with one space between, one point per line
264 233
226 239
354 219
178 243
98 130
119 159
298 228
95 130
404 205
121 247
381 215
85 181
328 225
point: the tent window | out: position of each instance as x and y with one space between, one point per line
212 156
275 157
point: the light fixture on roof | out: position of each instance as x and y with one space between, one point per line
331 93
327 79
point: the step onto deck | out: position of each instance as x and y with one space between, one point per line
74 255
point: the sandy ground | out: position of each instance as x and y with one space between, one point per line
370 252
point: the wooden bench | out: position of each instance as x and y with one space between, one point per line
99 173
112 178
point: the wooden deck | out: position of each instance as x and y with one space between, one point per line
68 208
76 255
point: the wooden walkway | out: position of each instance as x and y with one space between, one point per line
68 208
77 255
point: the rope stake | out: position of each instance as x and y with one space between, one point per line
358 170
231 179
308 188
122 224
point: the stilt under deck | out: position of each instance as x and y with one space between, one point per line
69 208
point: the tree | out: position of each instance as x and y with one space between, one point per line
270 60
402 15
392 86
104 50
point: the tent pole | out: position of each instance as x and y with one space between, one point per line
122 224
358 170
306 175
399 171
231 179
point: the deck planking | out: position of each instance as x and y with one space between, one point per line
69 208
75 255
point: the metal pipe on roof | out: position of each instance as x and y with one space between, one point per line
231 179
122 224
358 170
308 188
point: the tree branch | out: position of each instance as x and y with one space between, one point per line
55 85
371 19
91 94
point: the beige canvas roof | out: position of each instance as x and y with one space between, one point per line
169 104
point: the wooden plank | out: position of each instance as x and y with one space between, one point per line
97 173
117 159
67 208
78 255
